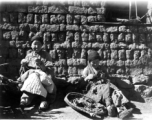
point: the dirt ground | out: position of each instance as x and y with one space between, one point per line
61 111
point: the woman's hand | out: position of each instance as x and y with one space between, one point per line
24 62
89 77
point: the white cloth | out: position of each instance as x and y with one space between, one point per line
38 82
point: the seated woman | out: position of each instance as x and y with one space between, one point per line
37 81
101 91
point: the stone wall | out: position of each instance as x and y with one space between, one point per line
68 37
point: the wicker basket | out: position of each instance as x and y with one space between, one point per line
70 97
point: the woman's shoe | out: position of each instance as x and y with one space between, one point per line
44 105
24 101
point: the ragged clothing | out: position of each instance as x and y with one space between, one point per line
35 80
104 93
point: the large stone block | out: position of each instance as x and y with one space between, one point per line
77 19
77 10
53 19
142 38
72 27
128 63
62 71
46 37
85 28
69 19
66 44
106 38
37 9
94 28
45 18
37 19
96 45
113 46
76 53
36 27
121 37
106 54
92 18
82 62
100 52
101 10
102 28
24 27
61 37
122 29
112 29
77 37
114 54
106 46
92 36
85 36
92 10
129 54
70 35
61 19
21 18
113 37
99 37
14 35
84 45
7 35
62 27
120 70
84 19
52 28
54 37
30 18
121 54
57 9
111 63
70 62
120 63
128 38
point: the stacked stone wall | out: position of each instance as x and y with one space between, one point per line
68 37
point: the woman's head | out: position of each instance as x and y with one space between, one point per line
93 58
37 43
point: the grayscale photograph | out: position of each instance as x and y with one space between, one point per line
76 59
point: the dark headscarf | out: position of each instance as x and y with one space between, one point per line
92 55
38 38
